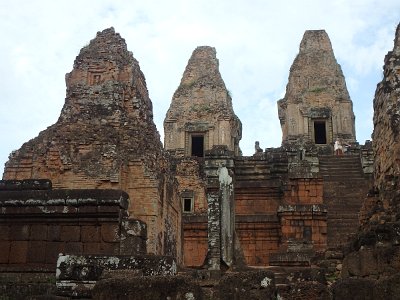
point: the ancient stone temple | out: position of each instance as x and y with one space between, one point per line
317 105
201 114
281 199
202 133
115 194
105 138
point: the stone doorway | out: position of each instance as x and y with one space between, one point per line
197 145
320 132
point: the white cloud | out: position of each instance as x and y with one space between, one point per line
256 43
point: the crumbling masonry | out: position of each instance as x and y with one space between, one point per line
101 178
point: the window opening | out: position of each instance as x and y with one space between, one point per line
319 132
198 146
187 204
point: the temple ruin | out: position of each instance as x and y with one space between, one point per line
105 138
97 197
317 105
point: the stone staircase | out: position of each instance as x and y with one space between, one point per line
345 189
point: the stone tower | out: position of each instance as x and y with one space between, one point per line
386 135
201 113
317 107
105 138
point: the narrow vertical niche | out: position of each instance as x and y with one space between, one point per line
197 145
320 132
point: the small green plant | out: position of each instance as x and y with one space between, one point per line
332 277
202 108
188 84
317 89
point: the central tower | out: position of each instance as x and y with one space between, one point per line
201 113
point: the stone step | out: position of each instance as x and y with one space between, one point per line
341 171
345 206
341 178
341 222
340 161
325 169
340 200
338 157
343 195
355 162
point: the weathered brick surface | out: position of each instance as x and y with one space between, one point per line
308 223
374 251
33 238
18 252
110 232
91 248
53 249
4 232
19 232
38 232
105 138
258 238
201 105
316 92
195 241
5 251
386 124
54 233
70 233
37 252
90 234
304 191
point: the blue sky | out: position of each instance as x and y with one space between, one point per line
256 43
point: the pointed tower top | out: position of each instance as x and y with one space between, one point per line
106 45
200 83
105 123
100 67
203 67
201 109
314 69
315 94
315 40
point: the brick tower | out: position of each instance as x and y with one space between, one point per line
201 113
317 107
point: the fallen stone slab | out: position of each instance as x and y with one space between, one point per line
77 275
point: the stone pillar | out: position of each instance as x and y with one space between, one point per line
227 215
221 209
214 226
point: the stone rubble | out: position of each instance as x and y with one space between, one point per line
197 199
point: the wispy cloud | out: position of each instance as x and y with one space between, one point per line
256 43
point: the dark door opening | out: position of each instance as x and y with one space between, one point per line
187 204
198 146
320 132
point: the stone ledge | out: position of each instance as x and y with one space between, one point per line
191 218
291 259
312 208
256 218
76 197
26 184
